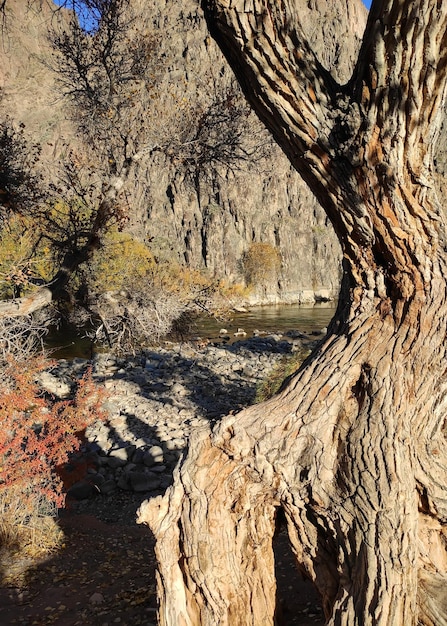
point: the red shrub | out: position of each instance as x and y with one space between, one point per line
37 435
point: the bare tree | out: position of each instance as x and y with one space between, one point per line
353 450
102 78
110 80
208 137
107 79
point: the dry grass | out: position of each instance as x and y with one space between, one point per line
284 368
28 532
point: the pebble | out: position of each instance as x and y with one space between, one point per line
96 598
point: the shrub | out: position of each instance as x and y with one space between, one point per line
282 370
24 259
37 436
260 264
120 262
137 299
28 531
36 440
22 337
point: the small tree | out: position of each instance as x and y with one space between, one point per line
93 71
25 262
111 79
108 77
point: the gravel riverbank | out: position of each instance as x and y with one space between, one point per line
154 402
105 573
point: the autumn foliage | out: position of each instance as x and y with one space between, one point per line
261 263
38 434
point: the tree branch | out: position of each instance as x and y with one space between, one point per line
310 115
391 84
19 307
72 259
279 73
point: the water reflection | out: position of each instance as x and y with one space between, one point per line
271 319
68 342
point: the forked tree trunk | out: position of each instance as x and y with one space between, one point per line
353 450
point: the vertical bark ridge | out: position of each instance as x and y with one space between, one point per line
370 473
226 566
403 94
351 504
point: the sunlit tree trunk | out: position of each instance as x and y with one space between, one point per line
353 450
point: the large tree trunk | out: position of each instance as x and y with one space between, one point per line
353 450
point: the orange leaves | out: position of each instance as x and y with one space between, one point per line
37 434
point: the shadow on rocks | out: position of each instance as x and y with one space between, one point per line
156 400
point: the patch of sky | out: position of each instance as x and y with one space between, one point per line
88 12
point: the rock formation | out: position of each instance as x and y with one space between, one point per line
211 224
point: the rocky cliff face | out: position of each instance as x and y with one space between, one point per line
210 222
27 86
214 224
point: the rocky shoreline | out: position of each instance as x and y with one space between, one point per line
154 402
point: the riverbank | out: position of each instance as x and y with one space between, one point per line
154 402
105 572
68 342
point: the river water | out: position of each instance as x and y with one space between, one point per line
270 319
67 342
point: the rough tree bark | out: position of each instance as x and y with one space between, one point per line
353 450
